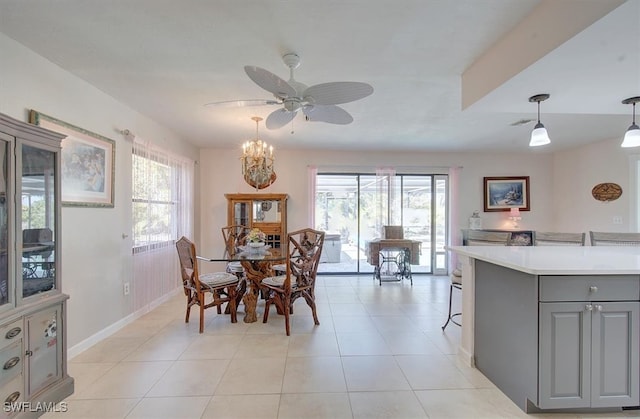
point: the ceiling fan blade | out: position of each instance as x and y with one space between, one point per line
243 102
328 113
269 81
279 118
337 92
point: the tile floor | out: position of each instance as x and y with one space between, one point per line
379 352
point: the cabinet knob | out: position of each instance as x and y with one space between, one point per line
588 307
12 397
598 307
13 333
11 363
593 288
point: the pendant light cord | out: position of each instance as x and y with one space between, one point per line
538 112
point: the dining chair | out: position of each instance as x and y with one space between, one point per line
304 248
541 238
235 236
488 238
614 239
474 238
455 281
221 285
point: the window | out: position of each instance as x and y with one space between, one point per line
352 208
162 198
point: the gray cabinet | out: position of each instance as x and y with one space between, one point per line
558 341
33 373
589 354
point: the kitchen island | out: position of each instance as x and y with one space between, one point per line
555 328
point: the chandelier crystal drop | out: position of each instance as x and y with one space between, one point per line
257 161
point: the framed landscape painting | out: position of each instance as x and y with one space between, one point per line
504 193
87 163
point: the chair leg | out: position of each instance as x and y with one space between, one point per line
201 313
450 316
311 303
266 310
186 317
449 313
287 303
233 308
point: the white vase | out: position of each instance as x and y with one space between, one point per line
256 246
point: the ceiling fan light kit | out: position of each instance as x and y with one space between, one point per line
317 102
539 135
632 136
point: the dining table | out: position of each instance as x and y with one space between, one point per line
257 263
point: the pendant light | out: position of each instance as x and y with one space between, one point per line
539 134
632 136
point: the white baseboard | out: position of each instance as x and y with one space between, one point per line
466 357
75 350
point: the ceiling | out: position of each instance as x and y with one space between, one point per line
447 75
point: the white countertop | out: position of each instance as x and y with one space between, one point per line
558 260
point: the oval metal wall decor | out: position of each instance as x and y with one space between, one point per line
606 191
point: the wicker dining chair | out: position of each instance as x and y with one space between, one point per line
221 285
303 256
235 236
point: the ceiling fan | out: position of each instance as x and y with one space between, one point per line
317 103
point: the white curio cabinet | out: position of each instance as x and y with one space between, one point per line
33 364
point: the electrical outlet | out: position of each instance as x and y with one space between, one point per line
617 219
126 288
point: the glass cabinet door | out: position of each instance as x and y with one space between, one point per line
241 215
267 211
38 220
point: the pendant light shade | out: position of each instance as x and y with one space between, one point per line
632 136
539 135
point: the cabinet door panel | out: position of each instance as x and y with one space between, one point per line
615 370
565 354
44 362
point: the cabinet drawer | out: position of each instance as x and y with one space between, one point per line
10 361
11 332
11 394
590 288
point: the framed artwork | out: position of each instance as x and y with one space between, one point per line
87 163
504 193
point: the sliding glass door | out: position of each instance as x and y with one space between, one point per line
352 208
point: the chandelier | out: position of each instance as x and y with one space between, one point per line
257 161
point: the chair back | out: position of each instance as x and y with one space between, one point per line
488 238
38 236
393 232
304 248
188 264
541 238
614 239
234 236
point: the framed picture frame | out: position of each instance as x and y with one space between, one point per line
504 193
87 163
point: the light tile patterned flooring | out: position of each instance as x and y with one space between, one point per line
379 352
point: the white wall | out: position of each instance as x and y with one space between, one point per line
291 168
577 171
96 258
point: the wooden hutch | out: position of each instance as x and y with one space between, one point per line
266 211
